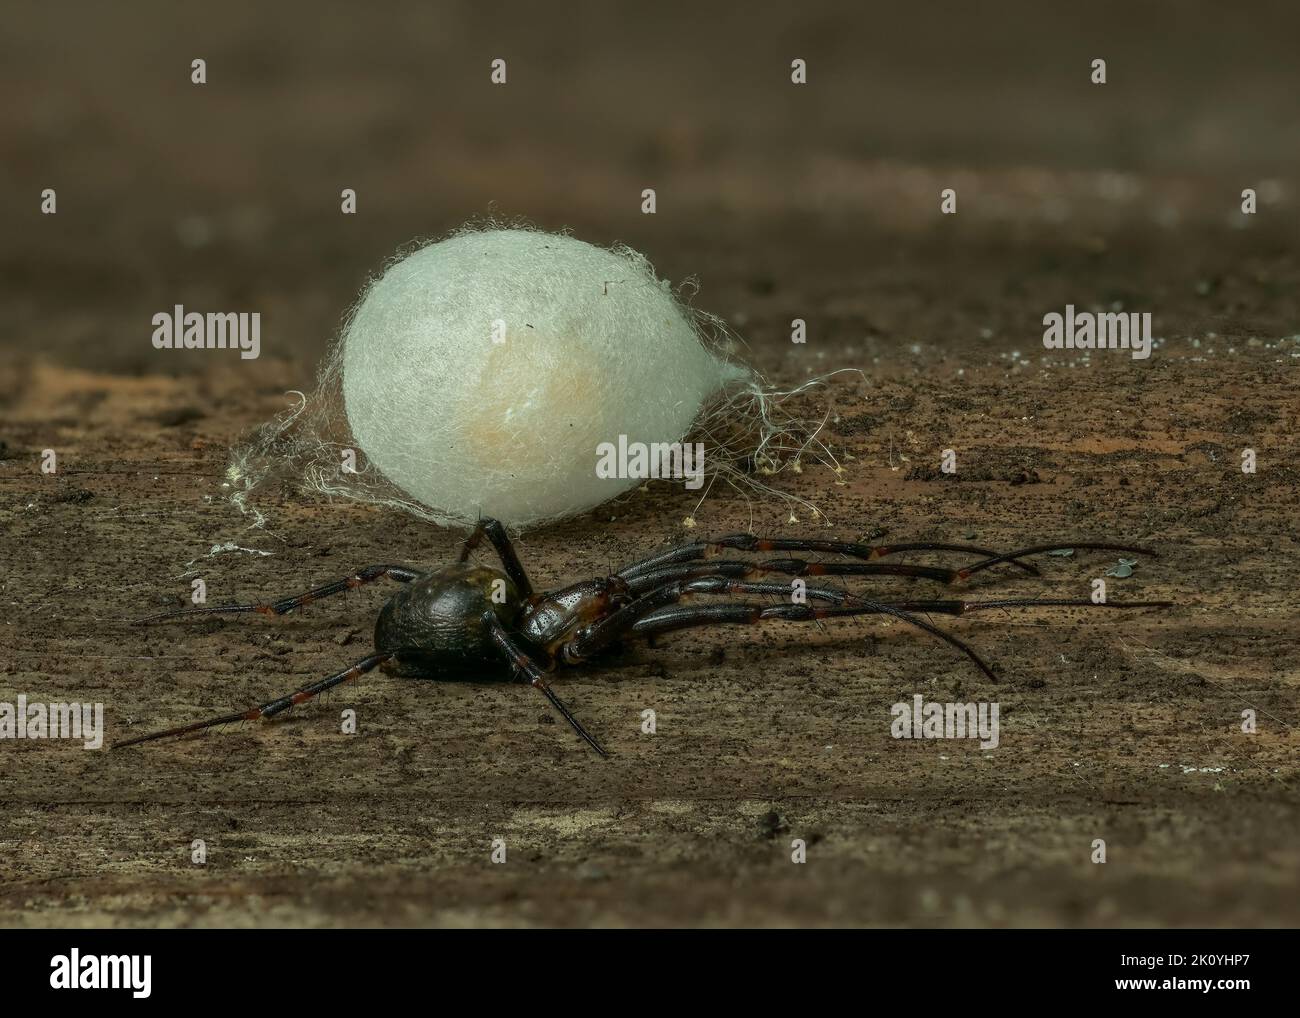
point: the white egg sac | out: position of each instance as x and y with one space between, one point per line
482 372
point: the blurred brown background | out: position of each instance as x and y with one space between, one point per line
227 195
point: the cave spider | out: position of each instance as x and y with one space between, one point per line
465 621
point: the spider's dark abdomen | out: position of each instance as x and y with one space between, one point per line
434 624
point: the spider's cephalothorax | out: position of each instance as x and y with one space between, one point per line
468 621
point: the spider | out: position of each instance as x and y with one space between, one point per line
467 621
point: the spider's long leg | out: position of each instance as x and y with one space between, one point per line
686 563
403 574
1042 602
658 612
534 675
1041 548
690 616
938 607
496 534
271 708
697 550
738 569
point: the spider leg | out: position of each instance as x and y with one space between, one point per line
402 574
944 607
500 540
664 616
271 708
1040 548
534 675
658 612
697 550
653 578
1047 602
690 616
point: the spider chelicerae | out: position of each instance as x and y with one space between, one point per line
467 621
